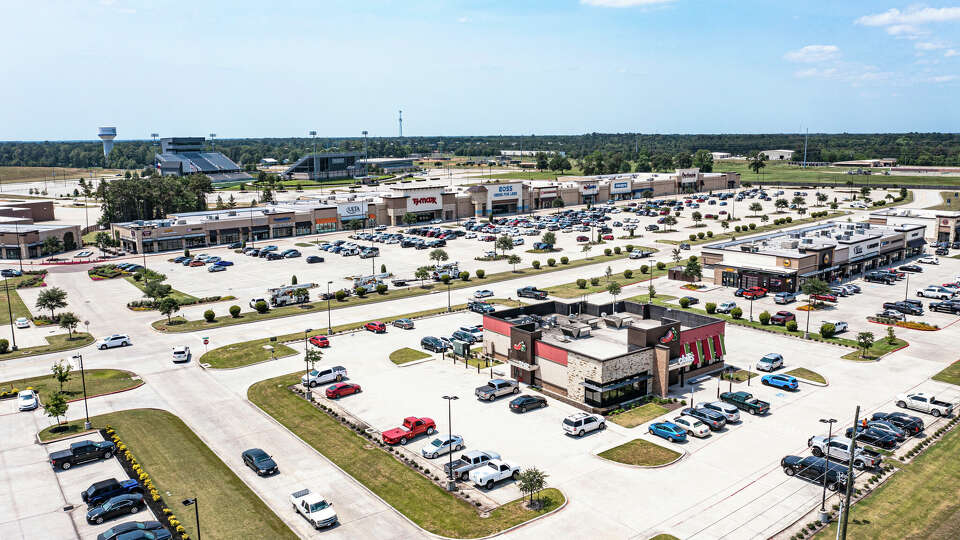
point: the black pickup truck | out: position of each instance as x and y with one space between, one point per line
531 292
946 306
81 452
746 402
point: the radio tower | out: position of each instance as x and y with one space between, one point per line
400 121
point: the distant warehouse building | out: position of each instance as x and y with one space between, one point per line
779 155
180 156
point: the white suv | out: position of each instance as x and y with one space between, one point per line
580 423
116 340
731 412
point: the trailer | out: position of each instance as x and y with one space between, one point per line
289 294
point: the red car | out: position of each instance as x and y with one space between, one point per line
824 297
197 263
412 427
375 326
783 317
608 237
339 390
755 292
320 341
582 239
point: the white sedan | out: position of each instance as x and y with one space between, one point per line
181 354
693 425
22 322
27 400
483 293
442 445
928 260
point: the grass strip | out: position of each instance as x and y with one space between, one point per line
98 381
880 348
179 296
572 290
739 375
16 304
409 492
919 501
245 353
406 354
805 373
55 343
640 452
639 415
950 374
182 466
180 324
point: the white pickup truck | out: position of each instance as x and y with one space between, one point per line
924 402
839 448
494 471
323 375
314 507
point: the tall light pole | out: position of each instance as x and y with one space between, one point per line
845 505
823 499
196 507
450 399
83 380
329 327
306 361
13 334
213 142
365 165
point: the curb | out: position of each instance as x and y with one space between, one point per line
65 437
811 383
142 382
208 366
415 362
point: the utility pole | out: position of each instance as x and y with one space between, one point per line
845 508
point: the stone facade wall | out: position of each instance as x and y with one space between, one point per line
580 368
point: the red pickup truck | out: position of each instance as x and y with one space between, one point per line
412 427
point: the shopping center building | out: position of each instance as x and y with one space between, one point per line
830 251
22 238
941 225
600 357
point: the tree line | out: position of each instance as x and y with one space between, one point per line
134 197
941 149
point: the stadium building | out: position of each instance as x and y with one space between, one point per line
180 156
325 167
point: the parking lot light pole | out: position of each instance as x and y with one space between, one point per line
13 334
329 327
306 361
906 290
196 507
450 484
823 500
83 380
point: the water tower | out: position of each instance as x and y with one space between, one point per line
107 135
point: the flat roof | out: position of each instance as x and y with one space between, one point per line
32 227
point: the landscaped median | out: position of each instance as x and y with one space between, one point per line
879 349
574 289
804 373
412 494
251 352
179 324
406 355
98 381
759 229
950 374
181 466
55 343
641 453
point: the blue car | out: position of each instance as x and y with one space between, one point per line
223 263
780 381
669 431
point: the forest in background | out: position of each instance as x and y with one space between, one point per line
941 149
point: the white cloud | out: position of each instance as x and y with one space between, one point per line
813 53
944 78
463 20
951 52
624 3
911 16
928 46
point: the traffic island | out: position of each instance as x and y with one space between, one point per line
641 453
415 491
99 382
808 376
55 343
406 354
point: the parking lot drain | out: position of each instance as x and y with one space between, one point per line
68 508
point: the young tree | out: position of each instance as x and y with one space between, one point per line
422 274
693 268
514 260
586 248
756 208
764 218
675 254
614 289
725 224
821 198
51 245
438 255
531 482
53 298
557 203
651 292
69 322
61 372
865 341
504 244
780 204
157 290
313 356
220 203
231 202
168 306
56 406
798 200
669 221
891 335
697 217
549 238
102 239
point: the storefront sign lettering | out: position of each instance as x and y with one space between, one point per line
424 200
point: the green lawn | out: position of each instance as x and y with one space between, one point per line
175 294
805 373
182 466
664 537
180 324
55 343
831 176
919 501
16 303
245 353
644 298
944 197
739 375
99 381
640 452
409 492
572 290
950 374
406 354
880 348
637 416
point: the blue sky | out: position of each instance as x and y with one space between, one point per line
256 68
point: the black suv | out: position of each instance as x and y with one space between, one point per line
431 343
873 437
879 277
105 489
947 306
813 468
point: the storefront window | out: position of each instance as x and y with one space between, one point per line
282 232
12 253
326 227
614 392
168 245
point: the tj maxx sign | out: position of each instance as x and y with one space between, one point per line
425 201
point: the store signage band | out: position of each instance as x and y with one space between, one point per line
424 200
504 192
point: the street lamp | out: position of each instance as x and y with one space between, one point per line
906 290
450 399
196 507
306 360
329 327
83 380
449 307
823 500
